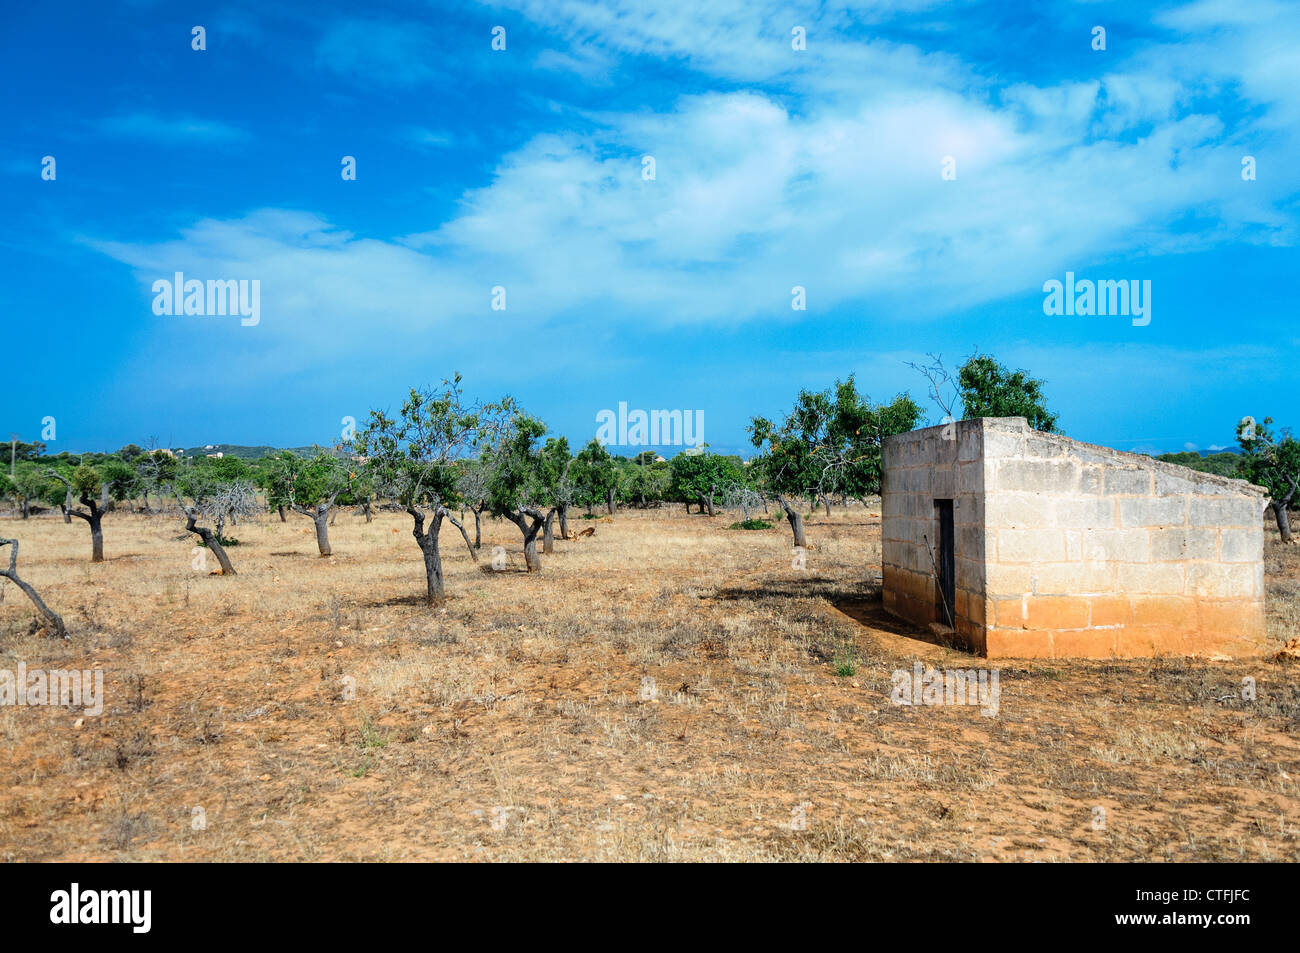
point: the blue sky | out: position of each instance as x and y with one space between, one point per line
522 168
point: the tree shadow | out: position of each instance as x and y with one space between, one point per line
417 601
804 587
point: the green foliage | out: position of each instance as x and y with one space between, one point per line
196 482
24 451
228 469
155 471
1222 464
515 466
643 479
360 487
594 473
121 477
85 481
696 475
51 490
554 466
30 483
1269 460
988 389
414 457
291 480
751 524
830 442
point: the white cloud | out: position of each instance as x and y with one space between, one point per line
836 187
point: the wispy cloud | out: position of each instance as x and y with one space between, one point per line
379 52
169 130
435 139
775 168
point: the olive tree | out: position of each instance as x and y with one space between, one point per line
699 475
28 484
472 487
555 464
741 496
203 493
517 488
359 492
155 470
310 487
595 477
93 494
51 618
1271 462
413 459
989 389
646 479
831 441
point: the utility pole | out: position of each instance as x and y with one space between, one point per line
13 448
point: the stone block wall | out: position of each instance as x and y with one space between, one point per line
920 467
1065 549
1095 553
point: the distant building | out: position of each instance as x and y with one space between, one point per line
1031 544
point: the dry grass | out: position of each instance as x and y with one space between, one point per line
510 724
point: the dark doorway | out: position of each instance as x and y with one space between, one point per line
947 563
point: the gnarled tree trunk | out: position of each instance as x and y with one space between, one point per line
530 523
1279 510
320 517
463 535
93 516
210 540
323 533
51 618
796 521
96 538
1283 522
436 590
548 533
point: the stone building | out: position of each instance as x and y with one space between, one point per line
1029 544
